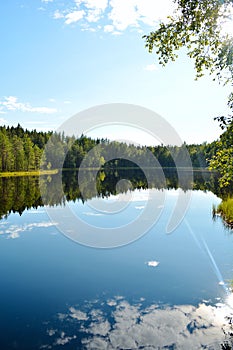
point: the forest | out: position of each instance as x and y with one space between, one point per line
21 150
24 150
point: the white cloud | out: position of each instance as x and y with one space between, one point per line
63 340
123 14
41 224
140 207
118 14
99 328
11 104
74 16
13 231
51 332
89 10
77 314
96 315
109 28
92 214
151 11
100 5
151 67
46 1
111 302
61 316
45 110
153 263
13 235
58 15
93 16
135 196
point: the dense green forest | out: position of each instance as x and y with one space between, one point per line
23 150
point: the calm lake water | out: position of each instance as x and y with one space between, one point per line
162 291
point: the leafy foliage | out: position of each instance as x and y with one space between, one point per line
223 158
196 25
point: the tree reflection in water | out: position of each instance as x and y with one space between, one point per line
21 193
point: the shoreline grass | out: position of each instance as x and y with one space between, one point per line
225 209
29 173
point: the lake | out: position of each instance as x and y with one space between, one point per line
160 291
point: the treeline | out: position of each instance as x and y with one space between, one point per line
24 150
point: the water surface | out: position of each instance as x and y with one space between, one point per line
160 292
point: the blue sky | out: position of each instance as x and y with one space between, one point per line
60 57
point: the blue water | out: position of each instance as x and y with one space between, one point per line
55 293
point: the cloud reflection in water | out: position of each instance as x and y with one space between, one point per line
117 324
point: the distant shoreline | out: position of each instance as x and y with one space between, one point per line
56 171
138 168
